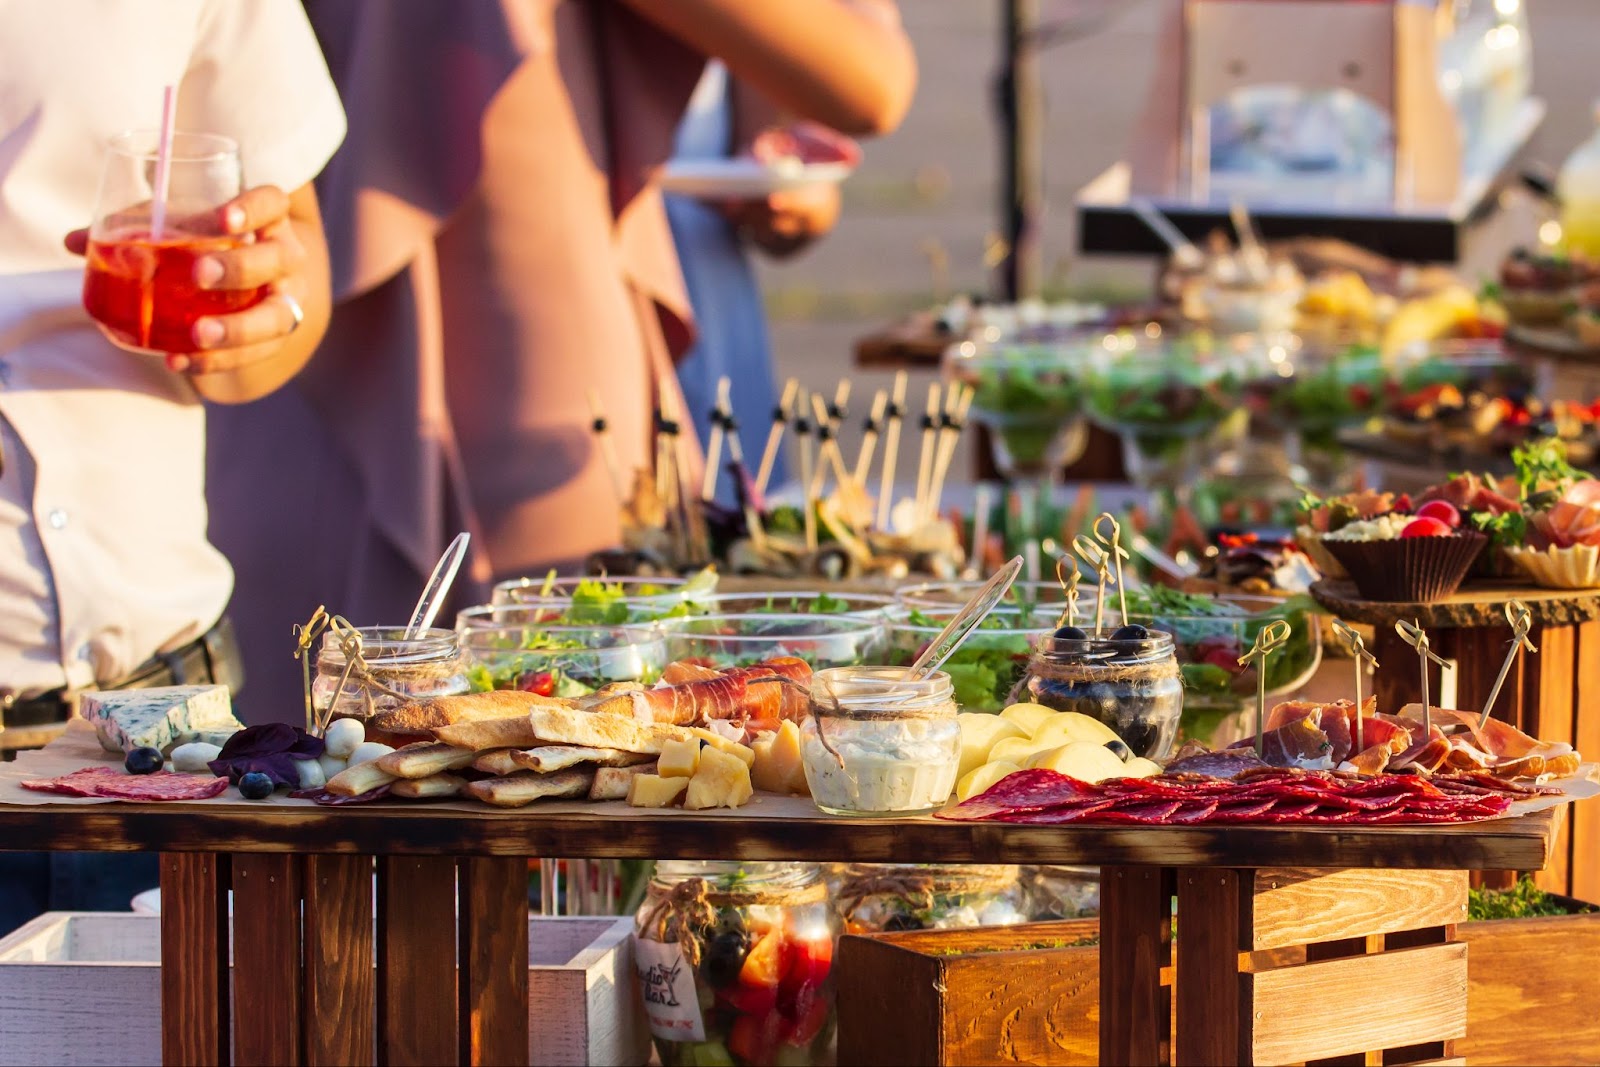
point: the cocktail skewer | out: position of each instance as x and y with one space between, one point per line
982 504
891 448
828 455
802 432
1069 577
950 436
752 514
708 483
1270 638
1113 544
1521 620
1358 649
869 438
938 266
780 419
1095 556
841 404
930 432
608 451
305 635
1415 636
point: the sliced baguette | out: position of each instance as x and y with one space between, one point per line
362 778
613 783
524 787
435 785
498 761
425 759
515 732
426 715
549 758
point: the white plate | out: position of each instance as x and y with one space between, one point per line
723 179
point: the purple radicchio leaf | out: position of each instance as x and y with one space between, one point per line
271 749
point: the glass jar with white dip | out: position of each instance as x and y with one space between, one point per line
878 744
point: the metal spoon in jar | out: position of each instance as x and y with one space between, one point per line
966 620
438 586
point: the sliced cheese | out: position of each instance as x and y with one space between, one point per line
1027 716
980 732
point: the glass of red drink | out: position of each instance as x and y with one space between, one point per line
139 283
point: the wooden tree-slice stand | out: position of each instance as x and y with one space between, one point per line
1565 368
1545 694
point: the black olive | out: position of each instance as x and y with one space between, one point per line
143 761
1072 633
1120 750
1131 632
724 957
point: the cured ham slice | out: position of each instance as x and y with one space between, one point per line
1497 747
1298 743
681 705
1225 764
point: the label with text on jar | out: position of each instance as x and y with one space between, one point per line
667 981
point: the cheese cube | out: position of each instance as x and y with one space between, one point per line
723 781
679 759
163 717
722 744
778 767
654 791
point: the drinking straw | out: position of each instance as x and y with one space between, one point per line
163 182
891 449
780 419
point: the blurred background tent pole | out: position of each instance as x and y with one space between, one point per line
1020 98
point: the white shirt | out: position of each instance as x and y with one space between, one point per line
103 553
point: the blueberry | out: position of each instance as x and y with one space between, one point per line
1120 750
724 957
1131 632
143 761
1071 633
256 786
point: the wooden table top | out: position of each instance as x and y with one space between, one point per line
775 828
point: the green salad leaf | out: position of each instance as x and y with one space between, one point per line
1522 901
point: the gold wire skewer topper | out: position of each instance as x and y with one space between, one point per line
305 635
1069 588
1113 544
1095 556
1415 636
1358 648
356 669
1521 620
1271 637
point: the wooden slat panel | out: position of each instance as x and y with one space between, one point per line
889 1006
1135 944
494 961
1522 1005
417 961
266 982
1297 906
1390 1000
1551 689
340 1011
194 959
1211 911
1585 880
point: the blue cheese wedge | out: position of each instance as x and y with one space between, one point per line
162 718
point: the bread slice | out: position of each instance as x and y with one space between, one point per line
362 778
612 783
514 732
524 787
497 761
424 759
549 758
425 715
596 730
435 785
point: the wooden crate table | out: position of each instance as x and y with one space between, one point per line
451 977
1553 695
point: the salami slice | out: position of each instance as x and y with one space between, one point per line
112 784
1030 790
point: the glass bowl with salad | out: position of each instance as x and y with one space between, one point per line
1165 396
992 662
1211 632
724 641
1028 395
603 600
1028 596
517 647
795 602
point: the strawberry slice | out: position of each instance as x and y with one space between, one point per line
806 963
809 1017
764 965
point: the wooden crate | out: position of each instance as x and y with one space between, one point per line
85 988
986 996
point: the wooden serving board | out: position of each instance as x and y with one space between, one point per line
1479 604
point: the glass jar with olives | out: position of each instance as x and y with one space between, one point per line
735 963
881 897
1127 678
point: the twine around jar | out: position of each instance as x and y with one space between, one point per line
921 886
681 913
1056 670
